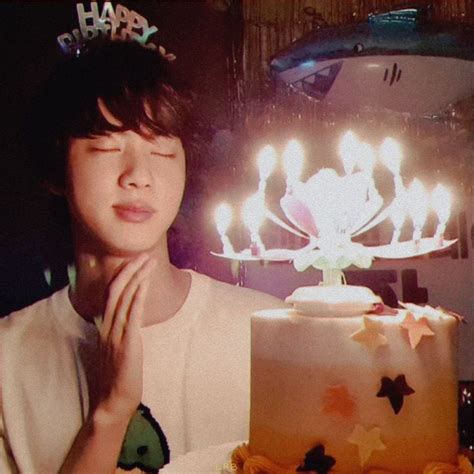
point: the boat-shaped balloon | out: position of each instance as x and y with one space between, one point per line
400 60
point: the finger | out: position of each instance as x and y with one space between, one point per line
134 321
115 290
132 335
126 301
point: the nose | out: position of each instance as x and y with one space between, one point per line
136 172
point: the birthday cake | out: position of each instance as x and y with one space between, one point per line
339 383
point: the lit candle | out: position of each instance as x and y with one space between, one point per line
417 207
441 203
266 161
349 149
366 163
366 159
398 215
223 218
391 154
253 215
293 158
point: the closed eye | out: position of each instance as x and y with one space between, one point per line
163 155
106 150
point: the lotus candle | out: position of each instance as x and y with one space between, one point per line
398 215
328 210
223 218
391 154
293 159
266 162
441 203
349 151
367 162
253 215
417 207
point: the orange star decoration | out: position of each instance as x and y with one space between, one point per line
367 441
337 399
416 329
369 334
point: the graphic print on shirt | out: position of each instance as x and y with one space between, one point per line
145 446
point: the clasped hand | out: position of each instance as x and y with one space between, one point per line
120 383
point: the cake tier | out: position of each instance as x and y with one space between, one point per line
389 404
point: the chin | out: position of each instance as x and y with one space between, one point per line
130 245
120 241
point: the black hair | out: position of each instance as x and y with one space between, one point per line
137 85
141 89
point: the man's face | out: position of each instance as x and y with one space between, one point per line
124 190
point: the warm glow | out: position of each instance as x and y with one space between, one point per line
366 159
417 203
266 161
349 149
253 213
391 154
335 202
223 218
329 209
441 203
398 212
293 158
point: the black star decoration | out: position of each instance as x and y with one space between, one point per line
316 461
395 390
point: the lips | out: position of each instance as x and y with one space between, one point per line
133 212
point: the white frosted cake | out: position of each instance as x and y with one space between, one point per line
336 387
342 384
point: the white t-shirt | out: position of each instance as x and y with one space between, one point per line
196 374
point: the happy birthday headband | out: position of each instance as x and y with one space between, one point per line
116 24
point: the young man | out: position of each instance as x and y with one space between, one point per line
134 330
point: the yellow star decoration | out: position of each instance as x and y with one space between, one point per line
369 334
367 441
416 329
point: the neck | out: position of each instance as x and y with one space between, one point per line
168 288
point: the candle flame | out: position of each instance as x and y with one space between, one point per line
348 150
332 209
266 161
253 213
417 203
293 157
391 154
366 159
398 212
441 203
223 218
